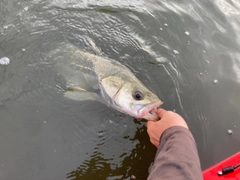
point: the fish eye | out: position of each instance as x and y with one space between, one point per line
138 95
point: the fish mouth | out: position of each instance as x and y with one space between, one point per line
149 112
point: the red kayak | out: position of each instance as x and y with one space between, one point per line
228 169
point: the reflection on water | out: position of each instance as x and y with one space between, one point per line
98 167
186 52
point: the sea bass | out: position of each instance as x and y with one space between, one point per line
92 77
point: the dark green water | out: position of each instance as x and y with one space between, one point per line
188 52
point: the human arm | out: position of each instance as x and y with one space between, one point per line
177 156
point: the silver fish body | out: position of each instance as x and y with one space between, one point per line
92 77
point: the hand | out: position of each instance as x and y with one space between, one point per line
167 120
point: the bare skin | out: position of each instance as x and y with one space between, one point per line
167 120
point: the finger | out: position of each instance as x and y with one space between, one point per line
160 112
149 123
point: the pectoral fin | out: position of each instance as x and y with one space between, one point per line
79 94
76 89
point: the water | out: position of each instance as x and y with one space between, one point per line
186 51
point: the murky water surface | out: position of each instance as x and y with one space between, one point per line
188 52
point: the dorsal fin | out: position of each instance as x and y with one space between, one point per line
92 46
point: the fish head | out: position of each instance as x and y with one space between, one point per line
131 97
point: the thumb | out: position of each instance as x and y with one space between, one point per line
160 112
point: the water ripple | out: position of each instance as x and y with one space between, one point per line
176 48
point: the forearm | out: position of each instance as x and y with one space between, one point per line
177 156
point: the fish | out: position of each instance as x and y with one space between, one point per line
92 77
